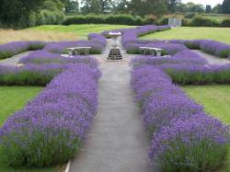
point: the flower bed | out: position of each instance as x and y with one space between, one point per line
50 129
184 138
131 35
209 46
187 74
96 41
183 57
13 48
30 74
61 47
168 48
45 57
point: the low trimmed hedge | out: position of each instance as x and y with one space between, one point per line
108 19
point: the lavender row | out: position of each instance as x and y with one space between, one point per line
182 57
189 74
209 46
13 48
40 68
97 42
131 35
51 128
45 57
184 138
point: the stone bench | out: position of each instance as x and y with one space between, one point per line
151 51
78 51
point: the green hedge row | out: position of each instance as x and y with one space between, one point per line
108 19
35 19
205 22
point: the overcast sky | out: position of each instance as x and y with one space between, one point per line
205 2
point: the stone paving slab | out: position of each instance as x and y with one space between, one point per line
13 61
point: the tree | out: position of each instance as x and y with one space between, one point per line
172 5
198 8
208 9
181 7
145 7
17 12
105 5
226 7
72 6
120 6
217 9
91 6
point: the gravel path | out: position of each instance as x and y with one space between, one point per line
211 59
117 141
13 61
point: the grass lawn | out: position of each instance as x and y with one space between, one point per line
55 32
215 100
13 99
218 34
81 30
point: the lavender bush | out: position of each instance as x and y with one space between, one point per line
30 74
186 74
45 57
13 48
183 137
183 57
209 46
131 35
61 47
50 129
195 143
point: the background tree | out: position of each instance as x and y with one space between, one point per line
217 9
72 6
17 12
91 6
145 7
106 5
226 7
208 9
172 5
120 6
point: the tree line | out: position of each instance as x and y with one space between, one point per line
25 13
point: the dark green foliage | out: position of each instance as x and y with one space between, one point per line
199 21
208 9
22 13
163 21
145 7
225 23
17 13
72 6
172 5
107 19
189 15
226 7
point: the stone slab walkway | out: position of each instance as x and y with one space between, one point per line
212 59
13 61
117 141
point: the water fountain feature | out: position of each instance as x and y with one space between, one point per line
115 53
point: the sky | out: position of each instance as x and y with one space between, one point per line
205 2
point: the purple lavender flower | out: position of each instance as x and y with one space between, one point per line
10 49
54 123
